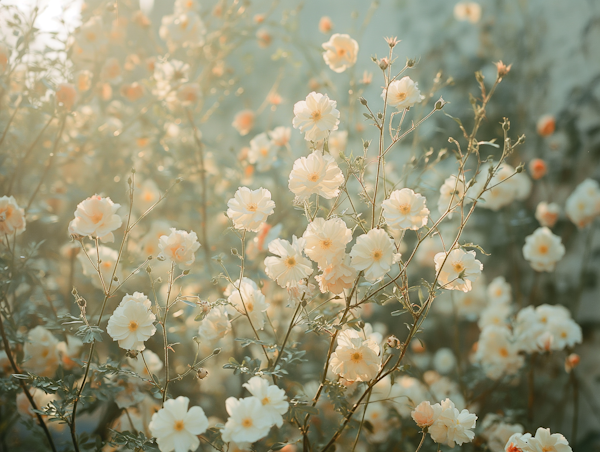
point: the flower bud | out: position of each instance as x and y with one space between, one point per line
202 373
393 342
383 64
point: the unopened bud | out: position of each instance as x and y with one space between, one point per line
202 373
383 64
393 342
572 361
216 351
410 62
362 100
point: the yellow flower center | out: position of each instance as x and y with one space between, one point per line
90 36
404 209
265 401
543 249
313 177
290 261
264 152
341 52
45 353
400 97
503 352
250 307
458 267
325 244
377 255
179 426
96 218
133 326
252 207
356 357
247 422
316 115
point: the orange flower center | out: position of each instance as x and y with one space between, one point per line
404 208
325 244
356 357
543 249
247 422
313 177
458 267
290 261
400 97
252 207
265 401
377 255
503 352
316 115
96 218
133 326
179 426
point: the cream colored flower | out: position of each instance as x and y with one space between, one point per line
131 324
547 213
66 95
355 359
338 276
451 194
470 11
280 136
215 325
41 352
247 421
459 271
374 253
263 152
248 209
243 122
326 240
583 205
451 426
289 266
425 414
316 173
246 298
543 250
179 247
405 209
12 217
183 30
316 116
176 428
138 297
340 52
403 93
272 398
498 352
96 217
108 261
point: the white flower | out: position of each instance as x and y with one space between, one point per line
377 415
451 193
494 314
528 328
340 52
176 428
149 243
96 217
168 76
543 250
451 426
131 324
146 195
263 152
444 360
280 136
497 352
470 304
12 217
316 116
544 441
215 325
247 422
414 391
470 11
546 327
425 414
518 443
355 359
316 173
243 121
374 253
405 209
583 205
547 213
498 432
248 299
290 266
499 291
150 359
179 247
272 398
338 276
403 93
326 240
69 349
248 209
182 30
41 352
459 271
108 260
504 187
138 297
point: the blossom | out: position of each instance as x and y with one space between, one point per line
146 195
543 249
444 360
243 121
469 305
290 266
41 352
325 240
424 414
146 363
247 422
183 30
12 217
66 95
131 324
498 352
355 359
169 75
340 52
338 276
470 11
96 217
546 327
458 269
215 325
403 93
247 299
248 209
188 93
494 314
547 213
498 432
499 291
451 426
583 205
518 443
280 136
262 151
108 259
179 247
405 209
544 441
537 168
316 116
452 192
325 24
176 428
546 125
317 173
273 399
374 254
505 186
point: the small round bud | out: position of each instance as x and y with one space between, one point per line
362 100
393 342
216 351
383 64
186 272
410 62
572 361
202 373
132 354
